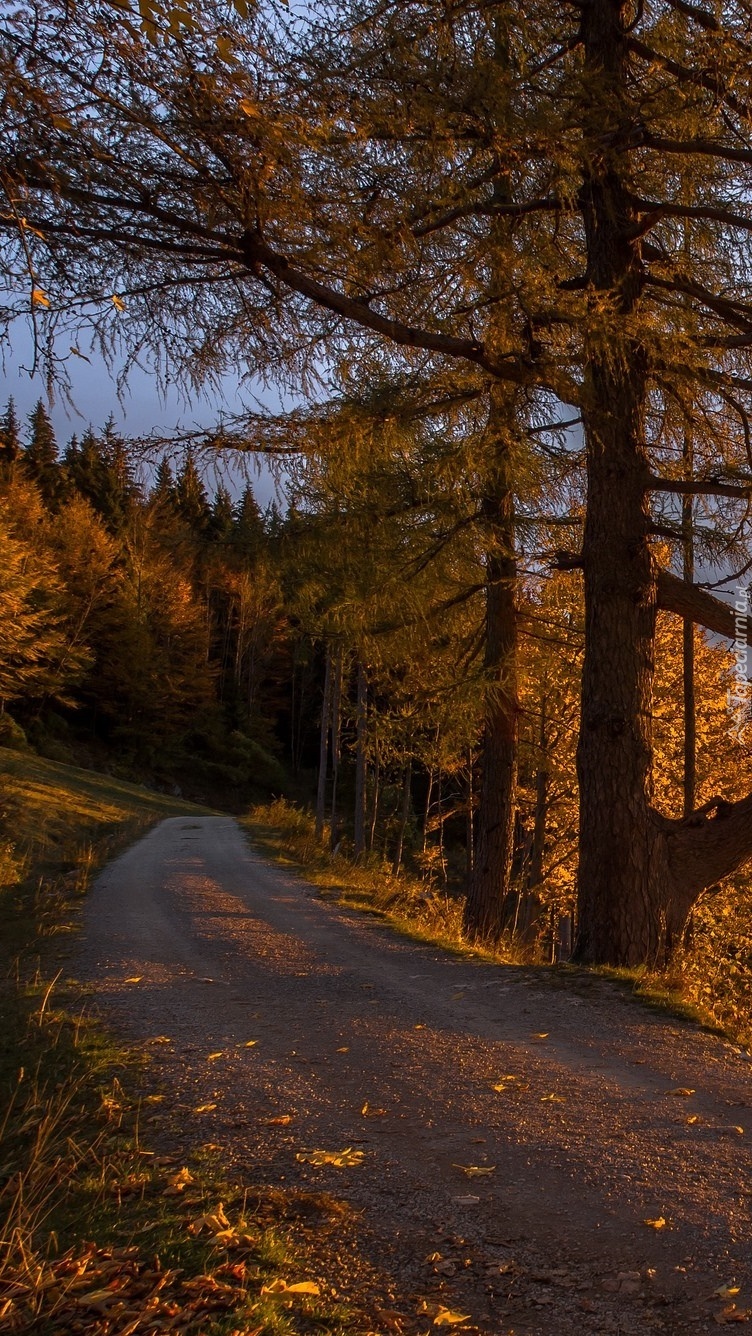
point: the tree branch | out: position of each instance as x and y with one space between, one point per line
700 487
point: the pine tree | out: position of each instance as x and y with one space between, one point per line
10 436
40 456
191 501
163 490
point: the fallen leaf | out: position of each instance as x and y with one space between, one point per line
368 1112
342 1159
249 1043
213 1056
475 1170
420 1027
343 1050
692 1118
683 1091
658 1223
155 1099
281 1120
282 1287
498 1086
727 1291
446 1318
543 1035
552 1099
178 1183
732 1314
135 978
158 1038
204 1108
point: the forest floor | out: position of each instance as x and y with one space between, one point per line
535 1152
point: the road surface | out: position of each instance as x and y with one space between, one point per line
587 1113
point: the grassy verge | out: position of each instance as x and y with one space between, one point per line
99 1231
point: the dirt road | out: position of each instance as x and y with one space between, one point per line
608 1114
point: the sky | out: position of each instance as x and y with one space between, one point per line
140 410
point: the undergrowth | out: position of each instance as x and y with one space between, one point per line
99 1231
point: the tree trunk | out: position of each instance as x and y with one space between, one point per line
688 643
397 862
326 706
375 807
484 916
359 833
336 740
470 819
535 871
621 871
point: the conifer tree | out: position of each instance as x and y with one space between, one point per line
40 456
191 501
10 436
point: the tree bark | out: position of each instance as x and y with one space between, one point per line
620 872
688 643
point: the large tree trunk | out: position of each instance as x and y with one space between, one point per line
621 871
489 886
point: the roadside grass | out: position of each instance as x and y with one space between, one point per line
287 833
100 1231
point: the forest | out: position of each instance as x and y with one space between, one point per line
502 259
330 653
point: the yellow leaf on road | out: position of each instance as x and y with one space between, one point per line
342 1159
135 978
446 1318
658 1223
205 1108
681 1090
249 1043
552 1099
475 1170
343 1050
281 1120
213 1056
368 1112
727 1291
543 1035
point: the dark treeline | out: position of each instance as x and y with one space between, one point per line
142 628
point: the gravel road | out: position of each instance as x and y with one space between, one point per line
609 1115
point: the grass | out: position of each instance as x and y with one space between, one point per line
99 1231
